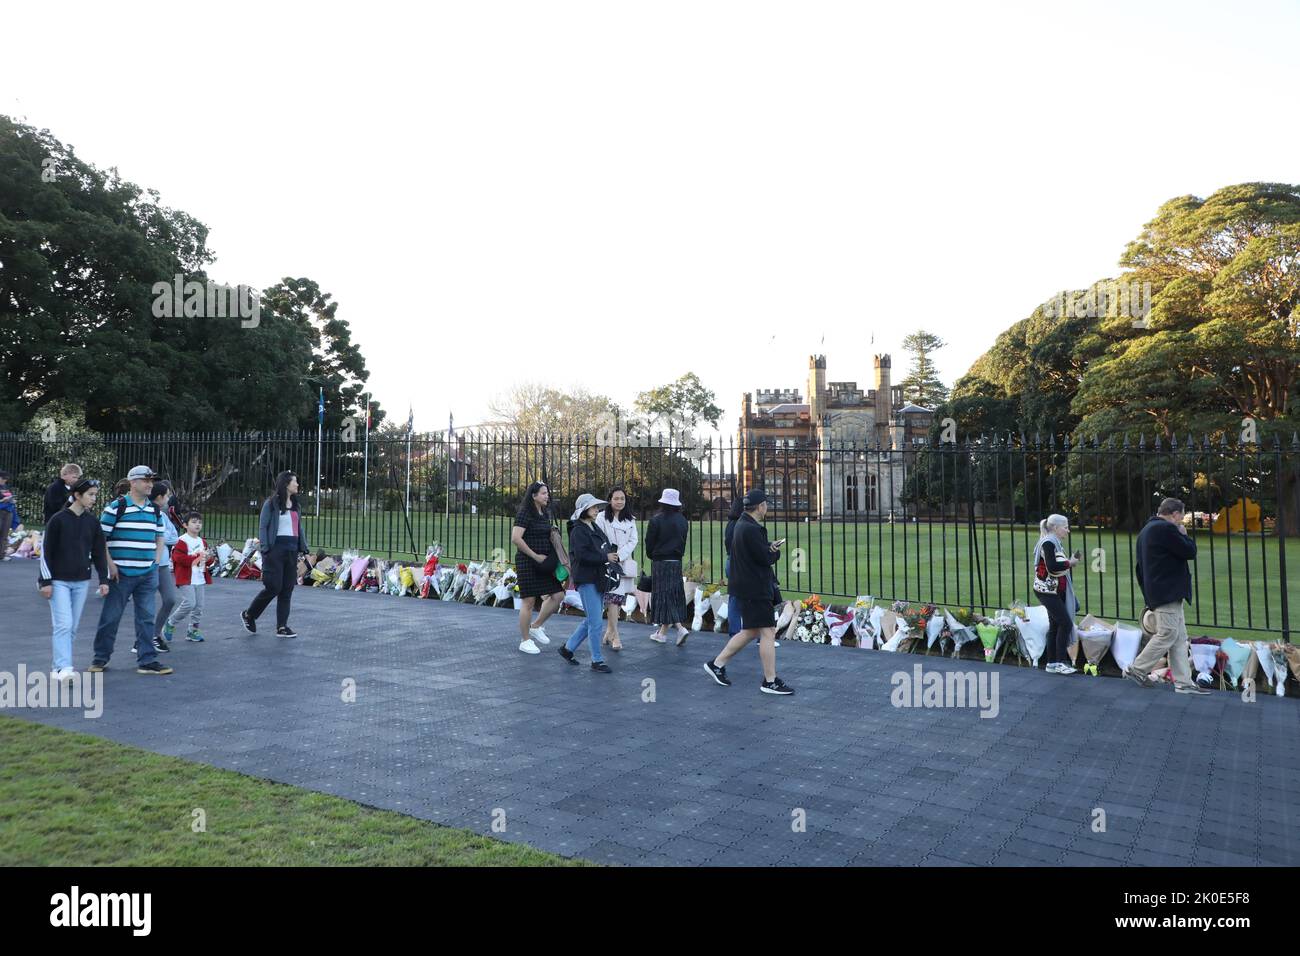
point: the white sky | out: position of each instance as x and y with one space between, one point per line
612 194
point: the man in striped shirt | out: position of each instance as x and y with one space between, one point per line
134 530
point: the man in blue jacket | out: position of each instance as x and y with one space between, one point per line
1164 549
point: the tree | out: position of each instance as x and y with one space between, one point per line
679 406
82 253
922 385
532 409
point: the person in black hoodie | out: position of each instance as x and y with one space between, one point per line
60 490
591 554
753 583
73 541
1164 549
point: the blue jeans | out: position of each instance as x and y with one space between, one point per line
139 589
67 600
593 625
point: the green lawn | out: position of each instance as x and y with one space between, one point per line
1236 578
70 799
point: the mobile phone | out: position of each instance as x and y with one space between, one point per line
778 543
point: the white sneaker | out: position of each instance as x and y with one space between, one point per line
538 635
1053 668
1067 669
64 674
528 647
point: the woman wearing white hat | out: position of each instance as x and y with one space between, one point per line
595 570
665 545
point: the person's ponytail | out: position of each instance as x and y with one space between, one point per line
1042 528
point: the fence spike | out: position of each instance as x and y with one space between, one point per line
1142 441
1295 439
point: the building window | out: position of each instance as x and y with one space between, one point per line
850 492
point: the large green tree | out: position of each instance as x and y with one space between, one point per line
81 251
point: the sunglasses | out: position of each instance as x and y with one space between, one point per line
82 487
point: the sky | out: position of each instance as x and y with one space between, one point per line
609 195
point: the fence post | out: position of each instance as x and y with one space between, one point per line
1281 544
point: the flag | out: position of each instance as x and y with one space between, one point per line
367 413
451 424
410 419
320 407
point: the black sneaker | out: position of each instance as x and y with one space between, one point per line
601 667
97 667
285 631
153 667
567 654
161 645
776 686
719 674
249 624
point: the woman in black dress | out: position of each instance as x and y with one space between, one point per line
665 544
540 550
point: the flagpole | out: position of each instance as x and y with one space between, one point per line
365 474
447 498
410 421
320 427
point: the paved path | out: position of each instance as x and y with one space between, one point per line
451 722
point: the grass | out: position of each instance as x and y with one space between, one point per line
1236 578
70 799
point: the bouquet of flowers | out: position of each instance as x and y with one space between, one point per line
430 569
409 581
837 625
810 621
960 627
452 591
392 579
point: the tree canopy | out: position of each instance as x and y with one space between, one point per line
81 251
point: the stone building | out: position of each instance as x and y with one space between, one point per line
843 454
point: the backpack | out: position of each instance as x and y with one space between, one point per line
120 503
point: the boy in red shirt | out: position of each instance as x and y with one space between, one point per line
191 558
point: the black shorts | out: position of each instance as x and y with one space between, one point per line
757 614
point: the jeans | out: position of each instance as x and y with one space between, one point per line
592 625
66 604
139 589
1060 628
279 574
167 593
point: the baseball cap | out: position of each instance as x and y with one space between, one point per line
141 471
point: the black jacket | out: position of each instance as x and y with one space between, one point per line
588 551
1163 553
71 544
56 496
752 577
665 539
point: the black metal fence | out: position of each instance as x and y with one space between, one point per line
951 523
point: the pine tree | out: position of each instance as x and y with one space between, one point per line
922 385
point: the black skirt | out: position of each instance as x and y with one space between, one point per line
534 580
667 594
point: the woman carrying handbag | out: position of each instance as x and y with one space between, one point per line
619 527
